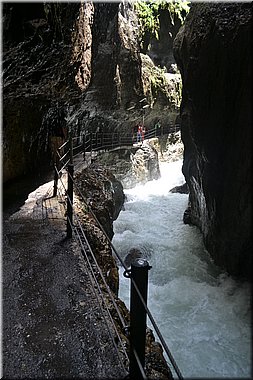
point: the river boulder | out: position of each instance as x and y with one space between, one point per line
103 193
145 163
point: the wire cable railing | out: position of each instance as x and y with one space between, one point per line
165 346
100 295
95 143
112 297
96 287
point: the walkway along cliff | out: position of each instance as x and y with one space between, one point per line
44 299
54 56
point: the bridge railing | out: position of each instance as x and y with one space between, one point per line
109 140
96 141
133 361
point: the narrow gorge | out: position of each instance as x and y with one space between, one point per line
101 68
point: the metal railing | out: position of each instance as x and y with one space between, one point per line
104 141
133 360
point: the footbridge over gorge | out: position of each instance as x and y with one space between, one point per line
92 143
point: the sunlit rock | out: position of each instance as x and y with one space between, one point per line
145 164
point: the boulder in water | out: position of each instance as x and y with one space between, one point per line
145 163
182 189
133 254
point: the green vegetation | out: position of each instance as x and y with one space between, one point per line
148 13
157 79
158 83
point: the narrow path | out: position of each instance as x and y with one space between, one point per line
51 325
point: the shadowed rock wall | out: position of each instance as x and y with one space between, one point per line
52 55
213 51
38 72
81 58
161 50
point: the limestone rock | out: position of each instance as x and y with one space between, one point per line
85 57
183 189
133 254
213 52
104 194
145 163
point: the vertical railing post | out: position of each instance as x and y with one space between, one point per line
138 317
55 181
56 170
71 146
96 140
84 146
91 146
70 200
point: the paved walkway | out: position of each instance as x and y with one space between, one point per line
51 325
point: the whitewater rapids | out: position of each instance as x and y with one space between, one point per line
202 313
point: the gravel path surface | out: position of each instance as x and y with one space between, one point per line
51 324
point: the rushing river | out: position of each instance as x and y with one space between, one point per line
202 313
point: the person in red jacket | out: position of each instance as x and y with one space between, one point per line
139 133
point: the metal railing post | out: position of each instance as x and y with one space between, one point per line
70 200
84 146
96 140
55 181
56 169
138 317
71 147
91 146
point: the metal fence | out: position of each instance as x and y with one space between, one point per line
132 360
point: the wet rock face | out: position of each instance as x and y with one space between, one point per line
145 164
81 57
37 74
116 73
213 51
52 54
102 196
161 50
104 193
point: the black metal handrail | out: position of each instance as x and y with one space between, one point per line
106 141
96 141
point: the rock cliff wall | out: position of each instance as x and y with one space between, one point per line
83 58
161 50
213 51
38 72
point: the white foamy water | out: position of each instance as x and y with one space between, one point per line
202 313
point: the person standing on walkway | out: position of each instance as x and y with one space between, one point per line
158 128
139 133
